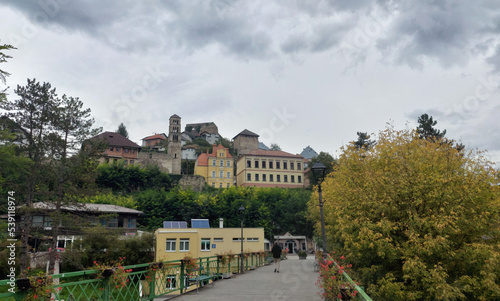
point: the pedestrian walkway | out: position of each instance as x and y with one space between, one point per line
296 281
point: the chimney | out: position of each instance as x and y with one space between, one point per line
221 223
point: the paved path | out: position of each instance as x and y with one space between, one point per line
295 282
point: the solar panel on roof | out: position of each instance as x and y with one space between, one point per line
200 223
174 225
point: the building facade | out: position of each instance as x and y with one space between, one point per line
174 244
262 168
155 141
119 148
245 142
217 168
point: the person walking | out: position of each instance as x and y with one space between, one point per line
276 250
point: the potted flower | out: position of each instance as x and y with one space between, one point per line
333 282
225 259
114 271
302 254
189 263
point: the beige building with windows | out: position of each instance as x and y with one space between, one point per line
175 243
217 167
262 168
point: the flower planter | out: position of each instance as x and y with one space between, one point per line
345 293
226 275
23 284
107 273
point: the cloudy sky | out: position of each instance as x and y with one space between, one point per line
297 72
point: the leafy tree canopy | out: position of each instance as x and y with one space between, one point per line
426 130
417 219
363 141
327 160
122 130
275 147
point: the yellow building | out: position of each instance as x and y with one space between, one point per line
216 168
175 243
263 168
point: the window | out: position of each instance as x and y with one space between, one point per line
292 166
253 239
131 223
271 164
299 179
256 177
264 178
285 178
218 239
221 174
171 282
292 179
113 222
221 163
263 164
270 178
228 163
37 221
228 185
278 178
213 185
213 174
220 185
298 166
213 163
117 149
256 164
132 162
278 165
228 175
249 177
111 148
126 150
205 244
249 164
238 239
184 245
285 165
170 245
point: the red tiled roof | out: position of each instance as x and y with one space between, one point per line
116 139
203 159
215 148
269 153
157 136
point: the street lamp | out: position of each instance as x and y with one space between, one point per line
319 170
242 210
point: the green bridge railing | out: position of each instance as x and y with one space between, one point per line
143 281
360 293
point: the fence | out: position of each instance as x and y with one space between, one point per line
138 282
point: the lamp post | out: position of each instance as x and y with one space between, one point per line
242 210
319 170
278 231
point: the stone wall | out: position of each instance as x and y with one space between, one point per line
195 182
162 160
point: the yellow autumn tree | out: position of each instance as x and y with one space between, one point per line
418 219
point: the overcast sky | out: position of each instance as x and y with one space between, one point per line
298 73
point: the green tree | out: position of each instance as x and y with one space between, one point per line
52 130
327 160
417 220
3 73
275 147
122 130
426 130
363 141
